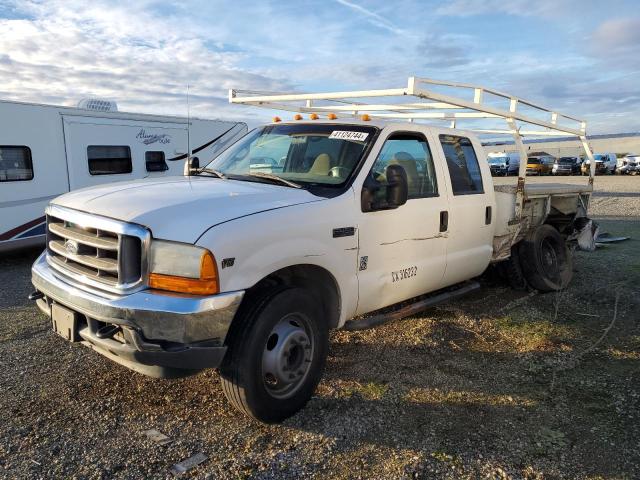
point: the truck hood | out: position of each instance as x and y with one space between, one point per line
182 208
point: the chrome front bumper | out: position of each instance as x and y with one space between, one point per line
153 322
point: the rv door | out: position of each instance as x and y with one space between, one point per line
102 150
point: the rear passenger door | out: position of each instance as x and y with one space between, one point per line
471 207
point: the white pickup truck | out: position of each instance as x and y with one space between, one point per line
246 264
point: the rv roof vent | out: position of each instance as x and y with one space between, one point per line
98 105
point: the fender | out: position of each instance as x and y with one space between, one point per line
251 248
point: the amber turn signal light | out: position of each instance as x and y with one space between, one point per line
207 284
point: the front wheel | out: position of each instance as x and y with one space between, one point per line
276 355
545 259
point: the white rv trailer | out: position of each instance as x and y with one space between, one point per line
48 150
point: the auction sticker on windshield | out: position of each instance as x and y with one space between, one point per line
346 135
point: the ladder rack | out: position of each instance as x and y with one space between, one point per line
440 107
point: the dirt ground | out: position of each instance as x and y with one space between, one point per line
500 384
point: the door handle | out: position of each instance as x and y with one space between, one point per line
444 221
487 216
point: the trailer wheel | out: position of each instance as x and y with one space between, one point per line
546 261
276 355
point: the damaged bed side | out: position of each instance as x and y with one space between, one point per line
564 206
540 224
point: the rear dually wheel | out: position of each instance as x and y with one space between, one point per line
545 259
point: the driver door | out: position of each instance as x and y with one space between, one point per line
402 252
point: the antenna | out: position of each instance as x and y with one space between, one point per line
188 134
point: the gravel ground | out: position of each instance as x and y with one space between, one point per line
500 384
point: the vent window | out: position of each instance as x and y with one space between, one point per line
155 162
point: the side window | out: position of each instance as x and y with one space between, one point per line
464 169
109 160
155 162
412 153
15 164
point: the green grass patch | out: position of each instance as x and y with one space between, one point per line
369 391
527 334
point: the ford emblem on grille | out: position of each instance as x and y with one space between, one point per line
71 247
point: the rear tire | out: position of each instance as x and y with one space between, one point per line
511 271
277 352
546 260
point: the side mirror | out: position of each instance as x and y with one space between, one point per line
191 165
377 196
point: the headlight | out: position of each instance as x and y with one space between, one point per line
183 268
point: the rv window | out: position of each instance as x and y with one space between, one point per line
155 162
15 164
109 160
464 169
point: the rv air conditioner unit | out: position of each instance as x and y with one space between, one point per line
98 105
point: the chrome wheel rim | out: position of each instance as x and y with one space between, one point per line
287 356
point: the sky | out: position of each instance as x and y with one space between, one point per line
581 57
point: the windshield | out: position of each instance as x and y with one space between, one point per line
498 160
567 160
600 158
533 161
317 154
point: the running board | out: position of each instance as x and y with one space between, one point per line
421 304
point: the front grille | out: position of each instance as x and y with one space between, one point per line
87 250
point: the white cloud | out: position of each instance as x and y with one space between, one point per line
143 54
618 41
67 51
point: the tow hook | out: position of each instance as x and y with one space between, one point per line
108 331
35 295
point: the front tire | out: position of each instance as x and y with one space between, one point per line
546 260
277 352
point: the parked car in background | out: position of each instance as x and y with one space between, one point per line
503 163
628 165
610 160
540 164
605 163
567 166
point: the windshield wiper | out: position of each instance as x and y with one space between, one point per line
276 178
212 172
